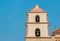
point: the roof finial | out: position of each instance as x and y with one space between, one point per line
37 6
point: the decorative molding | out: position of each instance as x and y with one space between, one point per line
37 22
39 37
57 37
37 12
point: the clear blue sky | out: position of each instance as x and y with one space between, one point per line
13 17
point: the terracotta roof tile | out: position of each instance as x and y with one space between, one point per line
57 31
37 9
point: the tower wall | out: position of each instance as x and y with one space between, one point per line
37 18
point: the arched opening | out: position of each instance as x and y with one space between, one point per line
37 19
37 32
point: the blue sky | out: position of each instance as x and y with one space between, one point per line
13 16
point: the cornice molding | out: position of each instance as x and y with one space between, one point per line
37 12
39 37
37 22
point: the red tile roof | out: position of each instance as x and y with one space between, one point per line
37 9
57 31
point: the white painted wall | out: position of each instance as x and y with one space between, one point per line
57 35
43 28
43 17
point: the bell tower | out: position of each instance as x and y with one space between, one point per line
37 23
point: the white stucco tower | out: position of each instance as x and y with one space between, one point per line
37 23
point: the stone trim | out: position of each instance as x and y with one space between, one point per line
37 12
39 37
57 37
37 22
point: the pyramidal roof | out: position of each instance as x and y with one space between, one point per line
37 9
